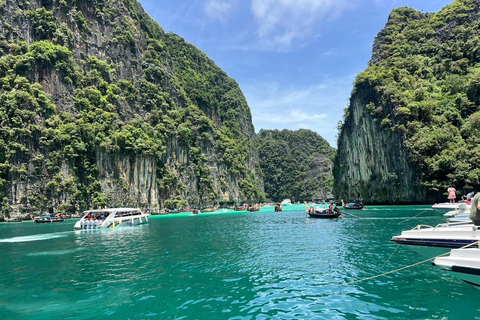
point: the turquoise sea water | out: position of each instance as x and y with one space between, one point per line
260 265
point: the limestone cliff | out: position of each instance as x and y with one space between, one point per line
372 163
296 165
411 129
99 107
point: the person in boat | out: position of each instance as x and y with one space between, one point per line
475 210
330 208
452 194
468 197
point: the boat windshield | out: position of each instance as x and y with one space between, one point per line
96 215
127 213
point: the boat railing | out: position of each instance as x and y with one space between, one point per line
422 226
443 225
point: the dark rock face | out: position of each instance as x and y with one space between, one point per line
372 163
101 108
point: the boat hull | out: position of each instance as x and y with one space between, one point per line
446 207
324 215
463 264
431 241
354 207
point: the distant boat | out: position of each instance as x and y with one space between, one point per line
325 214
7 219
286 202
46 219
357 205
254 208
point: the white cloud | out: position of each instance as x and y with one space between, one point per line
318 107
219 9
281 22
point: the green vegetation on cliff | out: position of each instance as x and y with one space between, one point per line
84 81
424 84
295 164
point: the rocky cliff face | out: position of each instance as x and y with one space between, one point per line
296 165
372 163
100 107
410 130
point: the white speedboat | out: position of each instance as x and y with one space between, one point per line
448 206
461 210
111 218
462 218
459 215
286 202
433 241
463 264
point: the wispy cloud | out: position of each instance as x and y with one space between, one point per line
281 22
219 9
317 107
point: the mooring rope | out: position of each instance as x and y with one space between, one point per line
349 214
406 267
398 246
414 216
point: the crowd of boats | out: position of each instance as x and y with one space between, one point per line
453 245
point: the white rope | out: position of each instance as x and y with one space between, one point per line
398 246
406 267
414 216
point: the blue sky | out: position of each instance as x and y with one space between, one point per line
295 60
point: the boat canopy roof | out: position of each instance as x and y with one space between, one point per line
110 210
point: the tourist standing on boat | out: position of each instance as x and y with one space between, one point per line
452 194
475 210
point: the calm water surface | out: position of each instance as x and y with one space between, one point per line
261 265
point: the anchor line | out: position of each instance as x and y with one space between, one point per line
414 216
404 268
398 246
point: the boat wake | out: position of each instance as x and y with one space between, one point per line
51 253
36 237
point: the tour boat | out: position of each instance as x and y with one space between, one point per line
7 219
447 206
325 214
357 205
462 214
461 210
463 264
432 241
111 218
46 219
286 202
